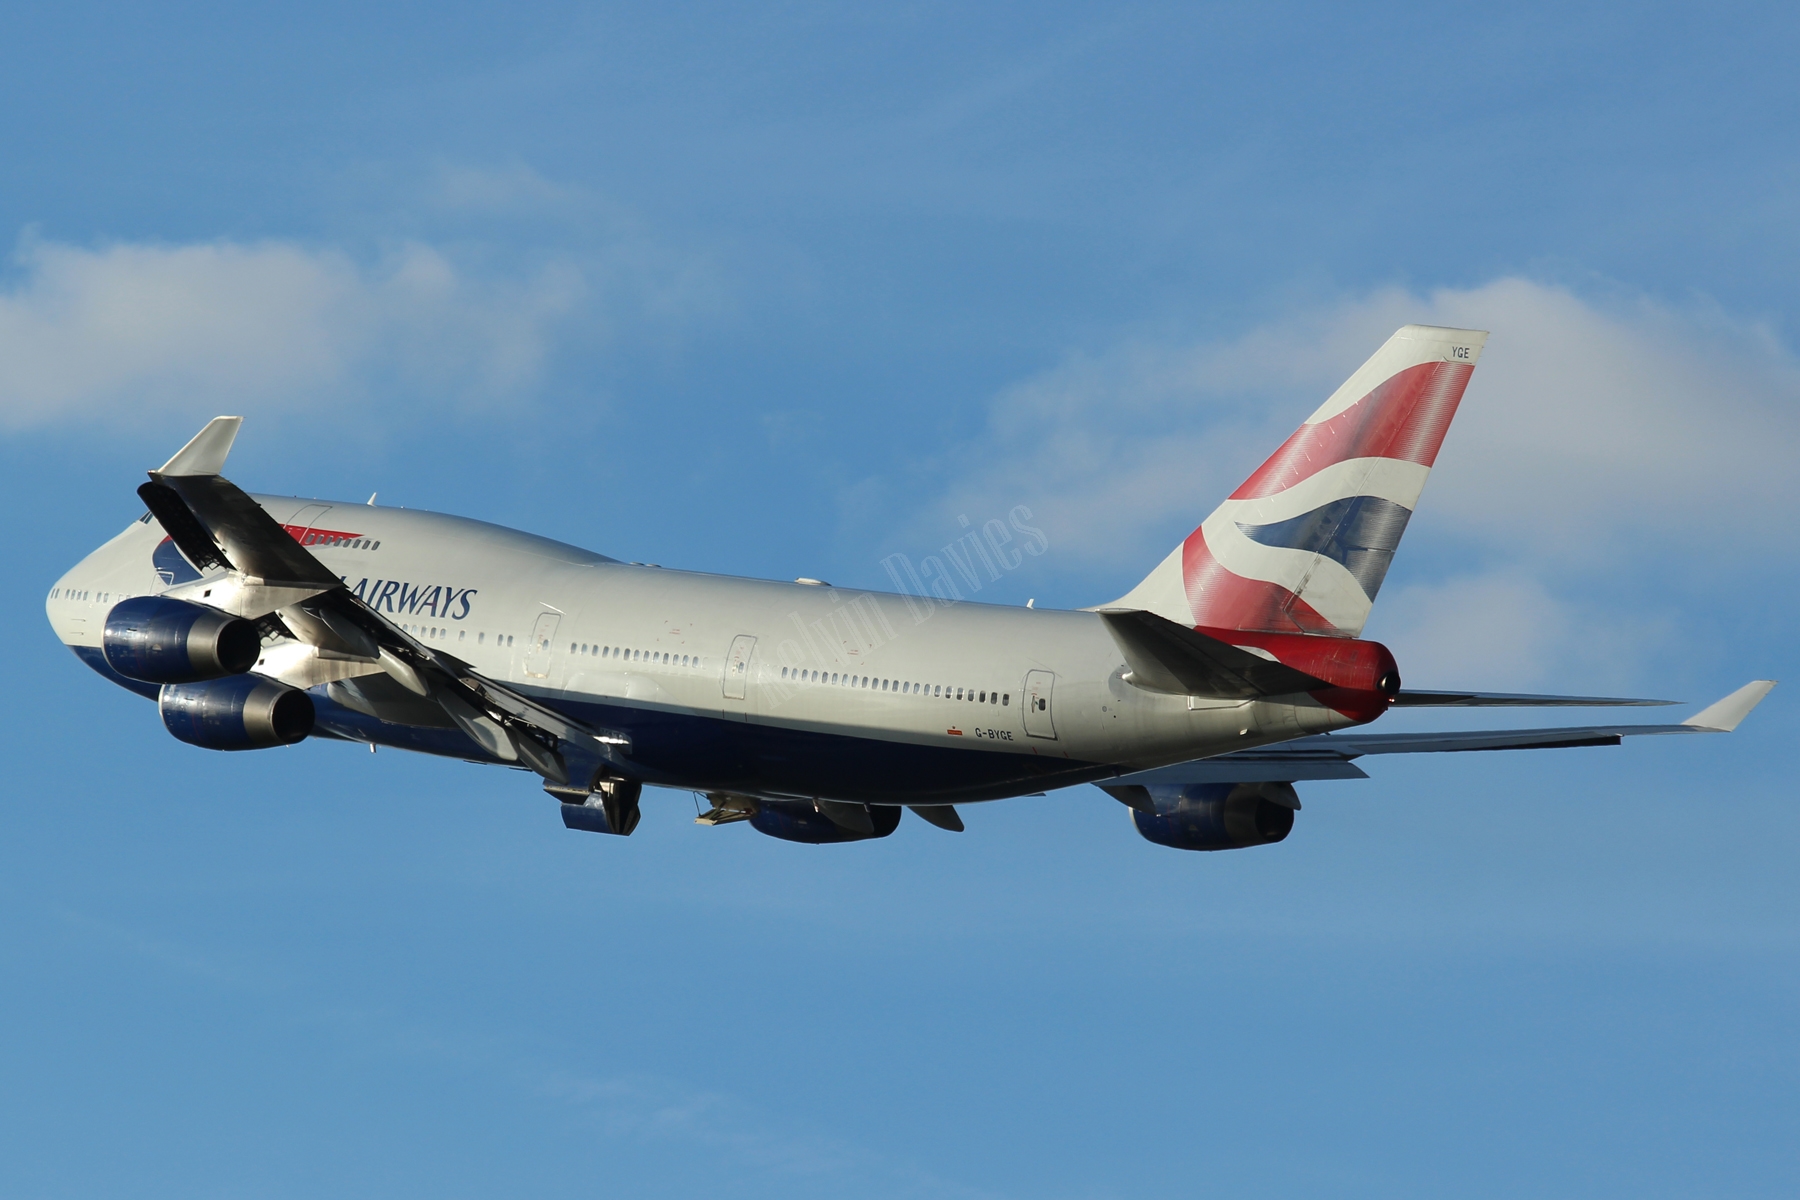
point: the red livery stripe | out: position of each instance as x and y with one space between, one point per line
312 537
1225 600
1404 418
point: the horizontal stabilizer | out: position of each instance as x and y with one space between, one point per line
1357 745
1331 755
1161 656
1413 698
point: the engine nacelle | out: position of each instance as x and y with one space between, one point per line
1218 816
799 821
611 807
243 712
159 640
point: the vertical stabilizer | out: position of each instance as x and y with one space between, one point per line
1303 545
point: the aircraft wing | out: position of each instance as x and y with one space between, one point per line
275 579
1332 755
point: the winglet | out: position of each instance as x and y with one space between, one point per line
1723 716
205 454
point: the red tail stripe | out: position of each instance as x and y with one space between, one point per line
1223 599
1404 418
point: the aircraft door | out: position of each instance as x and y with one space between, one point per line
1038 722
737 666
543 642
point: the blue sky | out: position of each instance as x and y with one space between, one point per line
785 291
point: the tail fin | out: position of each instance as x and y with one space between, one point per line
1303 545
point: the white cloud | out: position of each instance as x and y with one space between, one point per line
130 330
1596 435
1504 630
1584 422
1615 430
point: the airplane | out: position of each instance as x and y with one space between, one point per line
814 713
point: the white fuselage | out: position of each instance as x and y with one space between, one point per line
753 686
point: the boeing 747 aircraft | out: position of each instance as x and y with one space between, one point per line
817 714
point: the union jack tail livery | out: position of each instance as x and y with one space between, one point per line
1303 544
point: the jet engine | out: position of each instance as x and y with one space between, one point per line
242 712
804 821
1215 816
159 640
